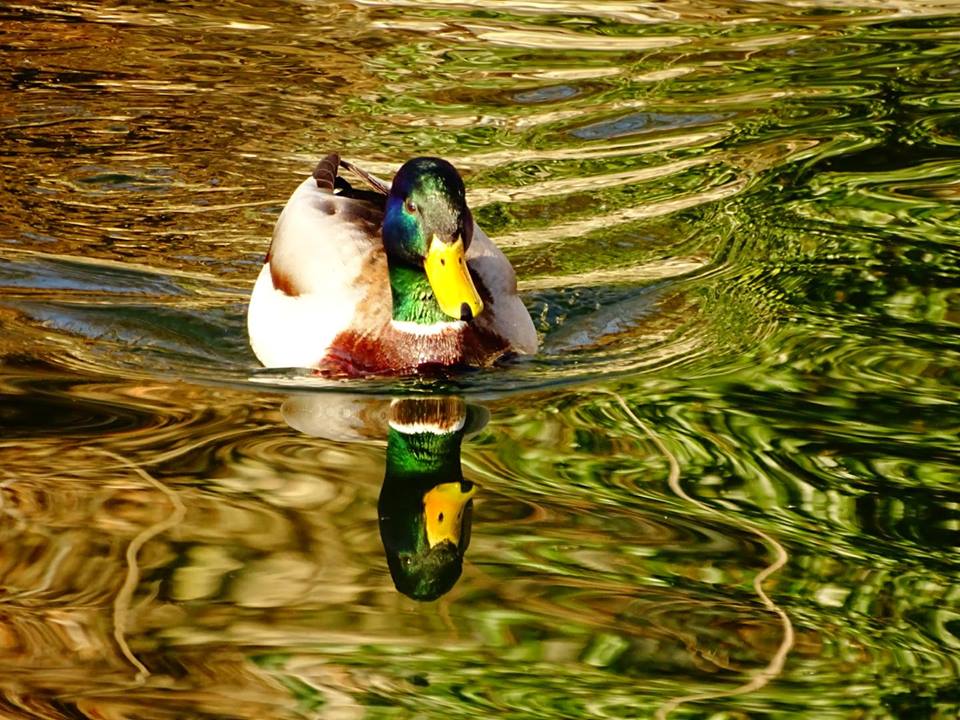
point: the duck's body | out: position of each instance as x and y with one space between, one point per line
332 294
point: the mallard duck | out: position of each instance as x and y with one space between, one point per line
396 279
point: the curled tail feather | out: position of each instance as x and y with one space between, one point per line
325 173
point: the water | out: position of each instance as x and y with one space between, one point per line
725 488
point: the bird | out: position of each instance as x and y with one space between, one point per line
391 279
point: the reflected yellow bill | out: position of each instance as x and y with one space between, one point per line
443 507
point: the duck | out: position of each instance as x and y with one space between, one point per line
393 279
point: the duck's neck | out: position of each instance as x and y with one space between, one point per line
413 298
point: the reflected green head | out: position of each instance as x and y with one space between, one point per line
425 512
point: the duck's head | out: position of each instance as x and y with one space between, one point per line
427 228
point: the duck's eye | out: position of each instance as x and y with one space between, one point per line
411 206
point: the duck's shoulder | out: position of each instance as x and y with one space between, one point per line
504 317
326 265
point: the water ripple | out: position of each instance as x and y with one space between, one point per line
740 218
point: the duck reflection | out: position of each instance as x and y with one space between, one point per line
425 507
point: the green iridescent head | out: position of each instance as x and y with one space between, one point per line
427 229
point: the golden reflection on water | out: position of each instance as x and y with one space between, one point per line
82 520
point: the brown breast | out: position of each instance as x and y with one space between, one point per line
393 351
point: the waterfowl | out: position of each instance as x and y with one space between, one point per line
393 279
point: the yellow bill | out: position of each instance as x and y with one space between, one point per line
443 507
446 267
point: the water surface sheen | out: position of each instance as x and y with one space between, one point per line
726 487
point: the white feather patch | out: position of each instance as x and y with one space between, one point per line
428 427
290 331
436 328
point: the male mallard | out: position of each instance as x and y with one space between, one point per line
394 280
